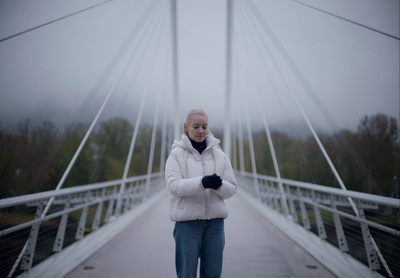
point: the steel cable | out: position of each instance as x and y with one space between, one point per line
346 19
61 182
53 21
247 16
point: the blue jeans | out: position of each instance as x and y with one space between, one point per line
204 239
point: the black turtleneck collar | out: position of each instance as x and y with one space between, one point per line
200 147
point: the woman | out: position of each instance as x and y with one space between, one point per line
199 177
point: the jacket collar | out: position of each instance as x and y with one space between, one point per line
185 144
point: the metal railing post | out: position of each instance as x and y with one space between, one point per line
292 207
318 218
369 247
99 210
27 260
58 243
341 237
304 215
80 231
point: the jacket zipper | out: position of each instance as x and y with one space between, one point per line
205 193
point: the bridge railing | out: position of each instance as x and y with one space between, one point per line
370 234
28 236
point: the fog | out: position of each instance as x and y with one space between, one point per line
347 54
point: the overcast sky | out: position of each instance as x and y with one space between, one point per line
56 71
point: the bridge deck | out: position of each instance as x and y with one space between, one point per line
254 248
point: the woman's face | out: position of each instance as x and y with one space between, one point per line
197 130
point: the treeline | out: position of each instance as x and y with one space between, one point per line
35 159
366 160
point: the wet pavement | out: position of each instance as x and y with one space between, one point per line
254 248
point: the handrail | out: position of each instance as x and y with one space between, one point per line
374 231
95 202
70 190
326 189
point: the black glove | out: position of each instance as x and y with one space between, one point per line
213 181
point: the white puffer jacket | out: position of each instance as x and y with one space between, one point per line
184 170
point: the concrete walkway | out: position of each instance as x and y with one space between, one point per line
254 248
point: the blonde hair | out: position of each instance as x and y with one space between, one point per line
191 114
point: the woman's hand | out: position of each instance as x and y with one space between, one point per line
212 181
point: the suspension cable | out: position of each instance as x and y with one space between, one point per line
160 99
121 51
53 21
175 80
152 145
134 136
346 19
240 143
287 57
146 44
251 145
72 162
293 66
239 130
228 78
274 88
141 57
163 138
129 157
83 142
165 116
271 146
